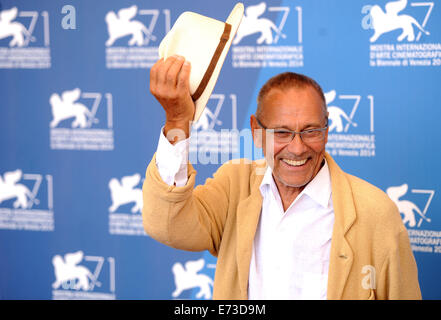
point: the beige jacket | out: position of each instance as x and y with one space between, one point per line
370 255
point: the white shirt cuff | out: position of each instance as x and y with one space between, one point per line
172 160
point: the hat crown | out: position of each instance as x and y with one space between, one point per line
204 42
196 38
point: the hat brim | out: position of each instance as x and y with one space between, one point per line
234 20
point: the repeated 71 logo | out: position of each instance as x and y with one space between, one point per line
351 124
407 203
69 106
16 25
93 279
23 188
26 201
392 18
91 127
24 39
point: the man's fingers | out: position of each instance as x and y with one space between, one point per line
154 71
171 77
184 77
163 70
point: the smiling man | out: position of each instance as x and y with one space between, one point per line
292 102
292 227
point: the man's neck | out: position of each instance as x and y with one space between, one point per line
288 193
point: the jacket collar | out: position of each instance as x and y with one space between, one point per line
248 214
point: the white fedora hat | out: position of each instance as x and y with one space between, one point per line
204 42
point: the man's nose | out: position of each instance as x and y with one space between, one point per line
296 146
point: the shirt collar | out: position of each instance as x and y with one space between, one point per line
318 189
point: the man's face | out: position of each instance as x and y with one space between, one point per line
296 163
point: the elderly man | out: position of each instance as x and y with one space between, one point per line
293 227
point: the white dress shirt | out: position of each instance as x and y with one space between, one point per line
290 257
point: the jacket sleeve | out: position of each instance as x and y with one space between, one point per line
398 278
183 217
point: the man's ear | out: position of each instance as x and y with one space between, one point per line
257 132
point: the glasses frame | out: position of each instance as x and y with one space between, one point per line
293 133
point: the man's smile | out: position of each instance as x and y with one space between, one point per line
294 163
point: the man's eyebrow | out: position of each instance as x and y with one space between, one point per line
308 125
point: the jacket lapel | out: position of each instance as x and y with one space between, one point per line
248 214
341 257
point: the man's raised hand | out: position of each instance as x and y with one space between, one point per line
170 85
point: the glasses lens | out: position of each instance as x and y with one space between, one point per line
312 136
282 136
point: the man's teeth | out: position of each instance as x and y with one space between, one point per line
294 163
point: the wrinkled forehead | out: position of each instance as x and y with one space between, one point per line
286 105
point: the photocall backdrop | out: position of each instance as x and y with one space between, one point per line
79 126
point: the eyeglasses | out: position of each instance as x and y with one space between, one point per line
286 136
